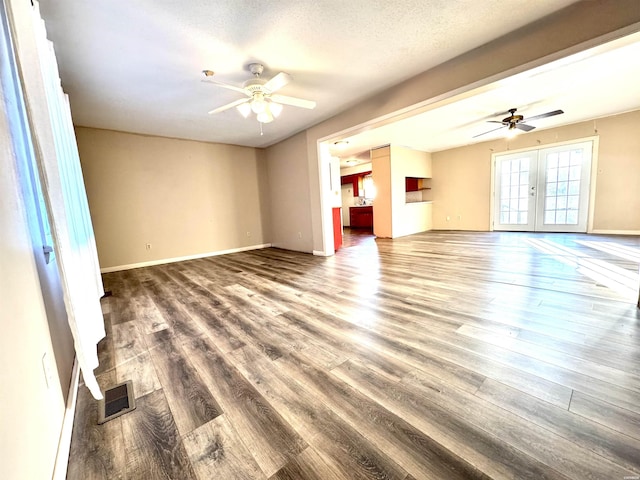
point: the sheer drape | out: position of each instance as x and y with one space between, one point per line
64 192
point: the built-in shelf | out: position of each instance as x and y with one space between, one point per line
417 189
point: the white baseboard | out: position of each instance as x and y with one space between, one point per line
616 232
64 444
182 259
320 253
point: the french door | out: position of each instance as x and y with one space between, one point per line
544 190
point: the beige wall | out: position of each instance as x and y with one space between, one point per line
36 347
392 216
183 197
409 218
32 408
617 202
462 176
289 194
383 203
579 26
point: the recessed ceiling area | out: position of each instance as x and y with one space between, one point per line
136 66
595 83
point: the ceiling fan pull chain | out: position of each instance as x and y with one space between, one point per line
261 132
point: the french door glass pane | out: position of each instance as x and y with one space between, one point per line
562 190
514 191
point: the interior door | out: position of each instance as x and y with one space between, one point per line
544 190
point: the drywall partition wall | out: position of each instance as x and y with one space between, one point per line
408 218
383 203
462 176
155 199
573 29
392 216
289 200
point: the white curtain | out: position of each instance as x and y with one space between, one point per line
64 192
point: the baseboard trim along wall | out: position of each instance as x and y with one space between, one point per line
64 444
320 253
182 259
616 232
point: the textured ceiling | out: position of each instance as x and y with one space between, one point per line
136 65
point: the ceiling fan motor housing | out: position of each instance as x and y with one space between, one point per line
254 85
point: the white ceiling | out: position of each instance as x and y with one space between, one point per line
595 83
136 65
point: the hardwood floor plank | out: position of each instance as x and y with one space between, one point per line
267 436
444 355
216 451
352 454
567 457
191 402
141 372
128 342
595 368
158 286
603 441
414 451
106 350
133 361
309 465
620 419
152 443
487 452
96 451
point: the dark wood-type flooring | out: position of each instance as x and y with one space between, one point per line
436 356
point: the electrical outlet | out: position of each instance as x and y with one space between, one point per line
148 246
248 234
459 217
448 218
299 234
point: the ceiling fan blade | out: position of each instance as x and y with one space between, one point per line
293 101
226 85
495 121
492 130
524 127
277 82
544 115
229 105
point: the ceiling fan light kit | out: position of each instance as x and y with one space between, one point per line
261 98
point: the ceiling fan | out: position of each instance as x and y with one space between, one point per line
261 98
518 122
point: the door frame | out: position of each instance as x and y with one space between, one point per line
594 174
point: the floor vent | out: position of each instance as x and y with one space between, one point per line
117 401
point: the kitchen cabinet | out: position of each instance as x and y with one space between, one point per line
361 217
355 179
